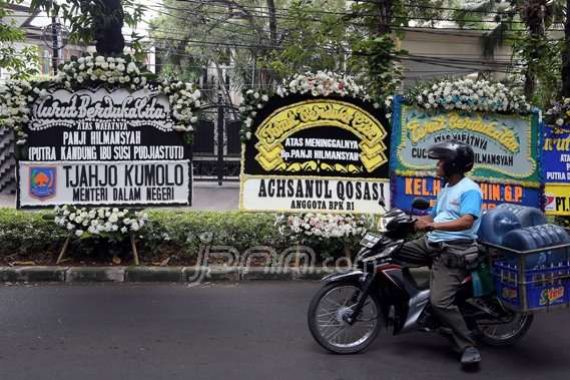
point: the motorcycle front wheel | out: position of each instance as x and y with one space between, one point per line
327 313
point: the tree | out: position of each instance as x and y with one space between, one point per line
22 63
533 13
259 42
97 21
309 42
375 52
251 43
524 24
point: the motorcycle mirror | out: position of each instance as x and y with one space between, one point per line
420 204
382 204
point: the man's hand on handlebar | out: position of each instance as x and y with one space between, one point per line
424 223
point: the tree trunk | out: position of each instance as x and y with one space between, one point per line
384 16
108 19
272 22
566 54
533 16
265 76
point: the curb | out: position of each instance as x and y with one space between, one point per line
142 274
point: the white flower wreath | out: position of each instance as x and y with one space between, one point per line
325 226
322 83
470 96
558 115
94 70
101 221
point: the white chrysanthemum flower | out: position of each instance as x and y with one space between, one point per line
131 67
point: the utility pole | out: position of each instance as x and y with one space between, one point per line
566 54
220 140
55 44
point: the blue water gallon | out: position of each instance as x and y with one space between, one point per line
496 223
527 216
535 237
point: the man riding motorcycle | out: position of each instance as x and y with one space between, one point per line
450 246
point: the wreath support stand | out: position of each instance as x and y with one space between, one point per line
134 248
297 262
64 249
68 239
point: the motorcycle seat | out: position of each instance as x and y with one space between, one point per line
418 277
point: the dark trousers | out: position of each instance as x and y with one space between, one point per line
444 284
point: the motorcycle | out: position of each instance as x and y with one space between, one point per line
348 312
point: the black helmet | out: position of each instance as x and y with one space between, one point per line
458 157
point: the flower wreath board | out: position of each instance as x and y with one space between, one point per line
500 126
556 169
101 133
318 145
556 159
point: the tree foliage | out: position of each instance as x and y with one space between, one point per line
261 41
23 62
228 36
309 43
526 25
87 17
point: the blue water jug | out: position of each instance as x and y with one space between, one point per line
535 237
496 223
527 216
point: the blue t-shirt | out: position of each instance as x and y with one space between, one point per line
453 202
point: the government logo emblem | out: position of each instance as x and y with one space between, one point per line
42 182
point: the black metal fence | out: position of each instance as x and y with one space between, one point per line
7 162
217 146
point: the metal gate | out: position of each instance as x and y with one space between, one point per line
217 146
7 162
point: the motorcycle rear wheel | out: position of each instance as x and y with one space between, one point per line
325 318
512 328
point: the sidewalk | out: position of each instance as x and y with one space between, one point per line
130 274
33 274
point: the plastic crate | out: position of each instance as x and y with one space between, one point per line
540 287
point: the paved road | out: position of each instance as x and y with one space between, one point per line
207 196
247 331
